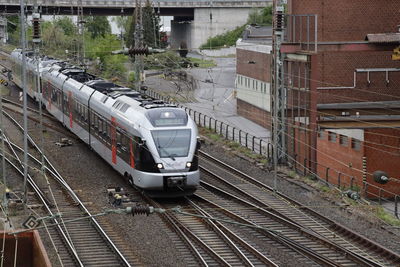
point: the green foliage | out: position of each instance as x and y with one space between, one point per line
169 60
114 68
151 27
257 16
55 41
227 39
101 46
261 16
66 24
13 24
382 214
203 63
97 26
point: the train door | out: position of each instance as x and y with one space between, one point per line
113 140
70 106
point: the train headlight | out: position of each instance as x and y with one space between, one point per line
160 166
188 164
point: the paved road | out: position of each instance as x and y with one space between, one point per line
214 94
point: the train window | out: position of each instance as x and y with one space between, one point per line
106 130
167 117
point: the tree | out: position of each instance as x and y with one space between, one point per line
261 16
151 27
66 24
97 26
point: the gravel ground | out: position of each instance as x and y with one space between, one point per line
147 237
328 204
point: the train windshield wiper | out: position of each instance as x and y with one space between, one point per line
171 156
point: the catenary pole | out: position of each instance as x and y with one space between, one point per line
24 89
278 90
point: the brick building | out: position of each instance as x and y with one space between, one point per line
342 82
253 59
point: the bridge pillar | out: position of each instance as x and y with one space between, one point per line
195 31
3 29
223 20
181 30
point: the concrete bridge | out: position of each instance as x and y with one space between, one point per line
194 20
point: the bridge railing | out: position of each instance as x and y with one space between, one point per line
131 3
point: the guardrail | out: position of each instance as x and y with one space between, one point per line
229 132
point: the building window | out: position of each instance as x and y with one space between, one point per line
343 140
321 134
355 144
332 137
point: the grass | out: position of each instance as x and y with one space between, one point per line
203 63
234 146
382 214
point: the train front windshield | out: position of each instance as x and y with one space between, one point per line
172 143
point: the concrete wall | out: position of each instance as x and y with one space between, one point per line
180 31
223 20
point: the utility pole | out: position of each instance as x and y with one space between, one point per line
138 37
3 149
36 39
278 90
81 31
25 99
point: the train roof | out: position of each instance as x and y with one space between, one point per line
109 89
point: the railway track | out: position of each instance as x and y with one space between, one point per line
335 242
210 242
79 243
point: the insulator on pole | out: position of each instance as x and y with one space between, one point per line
279 18
139 51
36 27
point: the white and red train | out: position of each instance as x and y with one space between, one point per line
153 144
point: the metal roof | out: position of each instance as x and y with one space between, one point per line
383 38
361 105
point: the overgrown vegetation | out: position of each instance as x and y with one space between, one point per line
234 146
262 17
382 214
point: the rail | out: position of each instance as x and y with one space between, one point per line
65 185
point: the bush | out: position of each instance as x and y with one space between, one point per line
227 39
257 16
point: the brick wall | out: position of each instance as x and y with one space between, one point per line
382 149
344 20
337 69
260 70
339 158
254 114
299 147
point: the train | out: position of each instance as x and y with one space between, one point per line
151 143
